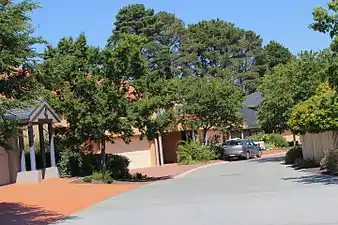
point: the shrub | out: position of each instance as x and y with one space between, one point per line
71 163
103 176
305 163
293 154
330 161
194 152
87 179
118 165
75 163
276 140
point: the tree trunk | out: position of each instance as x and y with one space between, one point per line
294 139
205 136
103 155
194 135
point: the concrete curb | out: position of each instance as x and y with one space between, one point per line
198 168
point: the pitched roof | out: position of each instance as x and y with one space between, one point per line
249 112
32 113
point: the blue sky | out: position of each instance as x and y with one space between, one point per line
284 21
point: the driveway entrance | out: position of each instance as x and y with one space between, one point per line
252 192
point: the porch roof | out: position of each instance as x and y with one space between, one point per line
40 110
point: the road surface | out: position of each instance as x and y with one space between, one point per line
252 192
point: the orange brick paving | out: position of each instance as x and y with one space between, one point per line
168 170
40 204
54 199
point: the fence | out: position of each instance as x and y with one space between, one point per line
315 145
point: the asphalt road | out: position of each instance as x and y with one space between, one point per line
252 192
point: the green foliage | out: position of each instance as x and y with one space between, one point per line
125 60
325 19
17 53
87 179
213 102
75 163
293 154
16 35
193 152
330 161
133 19
276 140
287 85
276 54
216 48
71 164
101 176
317 114
117 165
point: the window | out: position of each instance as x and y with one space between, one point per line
234 142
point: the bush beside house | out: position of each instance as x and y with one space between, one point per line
194 152
330 161
275 140
79 164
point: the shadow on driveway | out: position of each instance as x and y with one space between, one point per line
19 214
270 159
314 179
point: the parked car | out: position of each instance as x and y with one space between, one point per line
241 148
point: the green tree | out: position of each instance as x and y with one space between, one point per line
210 103
95 110
326 21
317 114
63 64
125 60
145 51
163 50
275 54
213 48
163 32
91 100
133 19
17 54
289 84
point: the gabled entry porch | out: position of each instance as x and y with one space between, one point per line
35 121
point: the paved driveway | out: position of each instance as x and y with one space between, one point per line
237 193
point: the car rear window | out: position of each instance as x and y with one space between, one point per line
234 142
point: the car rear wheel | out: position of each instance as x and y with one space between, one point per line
259 154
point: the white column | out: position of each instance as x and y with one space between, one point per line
161 149
22 153
31 147
51 145
157 153
242 134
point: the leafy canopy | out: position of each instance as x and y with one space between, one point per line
210 102
17 53
317 114
288 84
216 48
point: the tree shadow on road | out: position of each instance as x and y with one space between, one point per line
270 159
315 179
19 214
